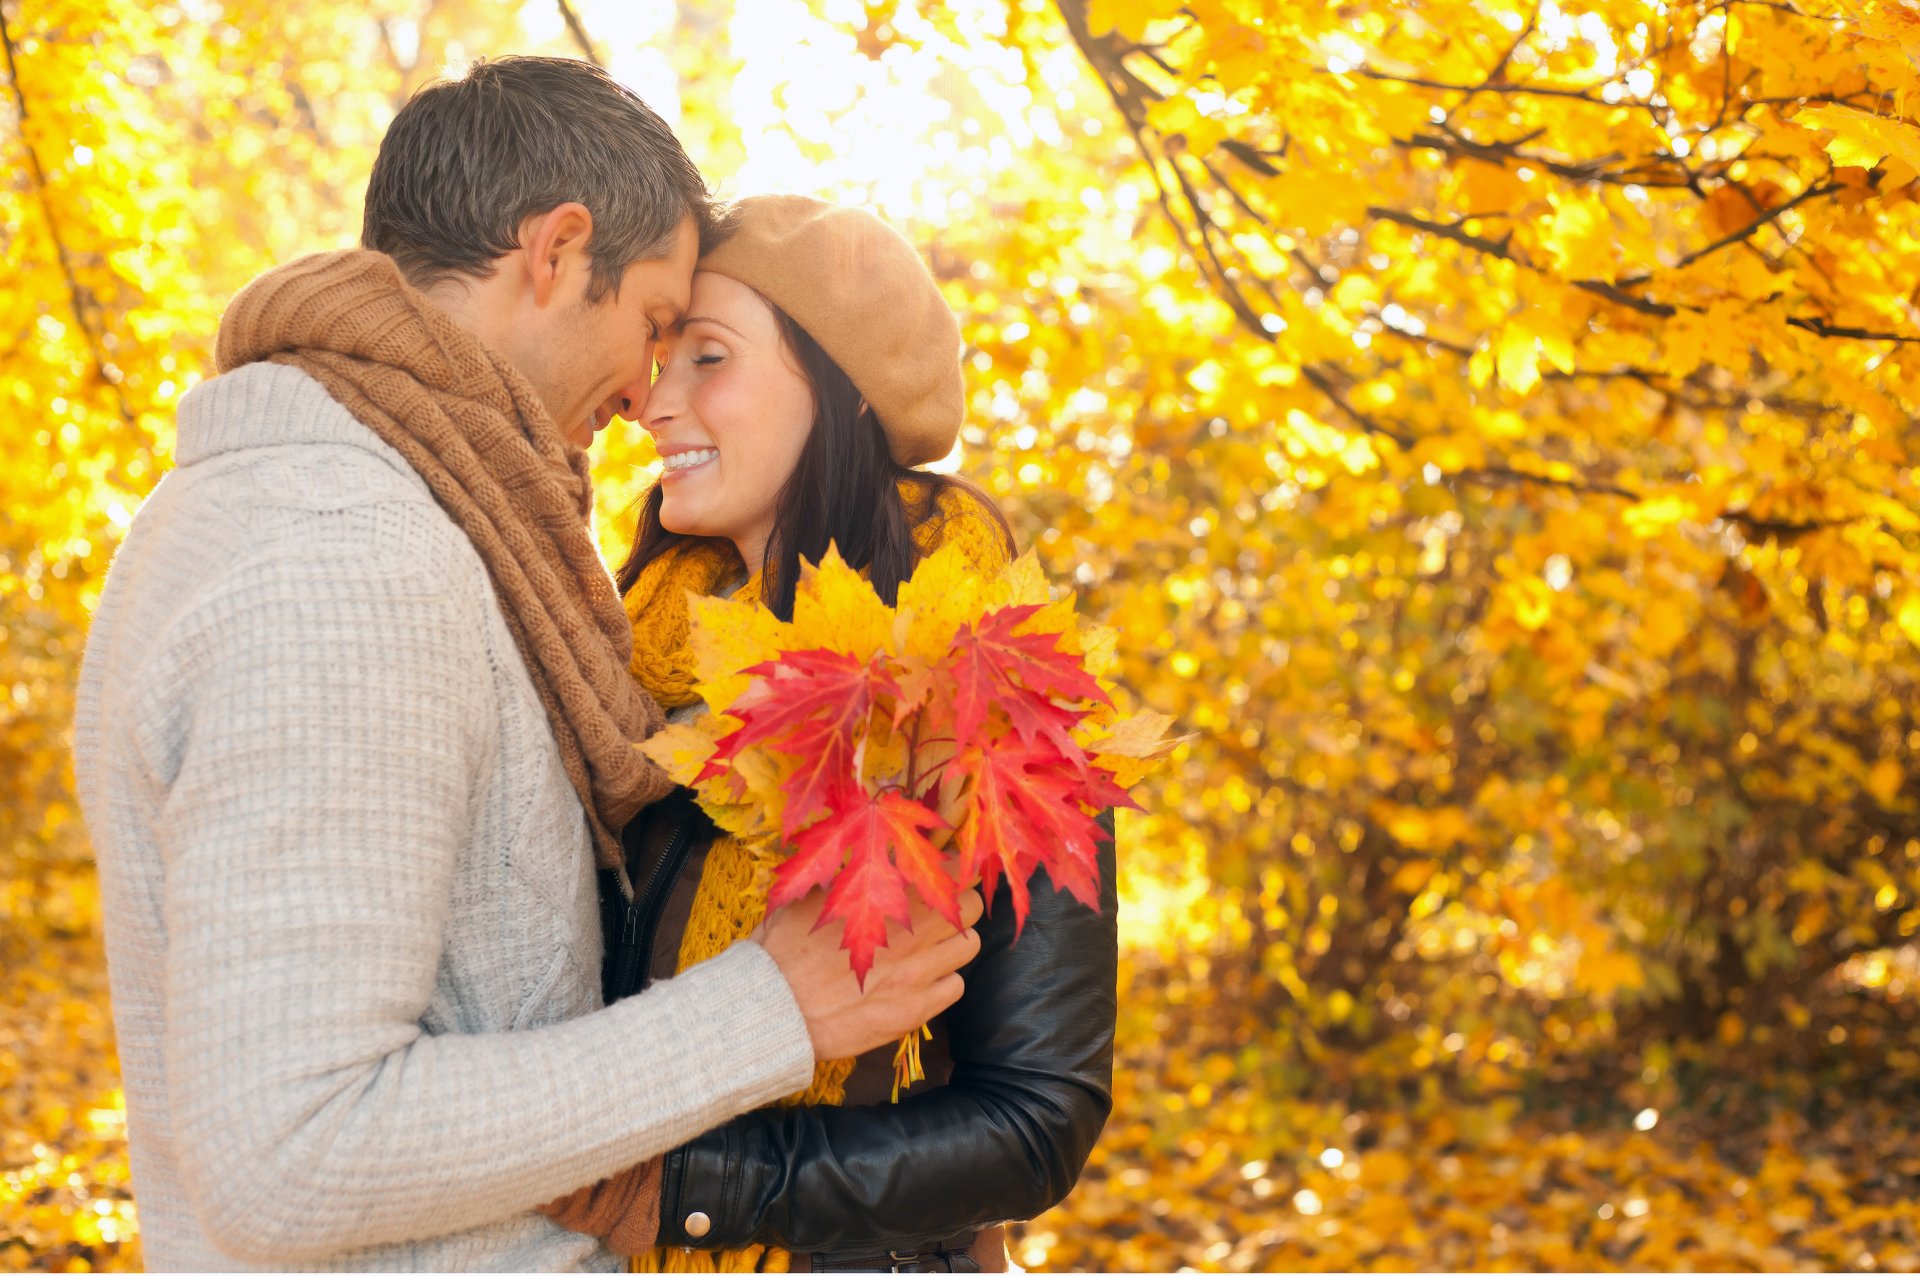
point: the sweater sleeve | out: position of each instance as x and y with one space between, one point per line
336 709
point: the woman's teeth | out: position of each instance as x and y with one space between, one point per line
687 460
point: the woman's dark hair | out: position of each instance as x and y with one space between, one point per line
844 491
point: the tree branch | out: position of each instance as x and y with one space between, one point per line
76 295
1821 328
578 31
1106 56
1814 191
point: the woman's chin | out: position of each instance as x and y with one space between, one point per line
683 522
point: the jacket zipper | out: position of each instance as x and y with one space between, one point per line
642 918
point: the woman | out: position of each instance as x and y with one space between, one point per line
816 364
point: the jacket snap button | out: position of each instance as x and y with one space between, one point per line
698 1224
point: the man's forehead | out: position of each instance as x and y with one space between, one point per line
670 283
665 293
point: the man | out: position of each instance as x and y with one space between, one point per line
355 726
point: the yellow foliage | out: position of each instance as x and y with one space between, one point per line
1487 427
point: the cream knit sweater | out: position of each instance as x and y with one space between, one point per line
349 895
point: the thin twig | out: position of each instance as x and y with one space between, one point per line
76 296
1814 191
578 30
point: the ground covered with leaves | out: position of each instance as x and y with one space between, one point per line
65 1203
1673 1159
1799 1152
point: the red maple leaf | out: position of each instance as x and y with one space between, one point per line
1024 674
1025 809
868 850
811 705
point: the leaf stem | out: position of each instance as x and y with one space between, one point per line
913 755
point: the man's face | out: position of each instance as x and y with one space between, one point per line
601 352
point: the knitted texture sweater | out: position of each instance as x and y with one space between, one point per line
348 890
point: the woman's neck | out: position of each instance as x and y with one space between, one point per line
753 551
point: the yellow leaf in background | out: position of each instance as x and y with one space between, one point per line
884 757
1579 237
1556 348
1144 735
1884 780
835 608
1425 829
1412 877
1606 971
1829 556
1908 618
1486 188
1663 623
1450 453
1531 600
1126 18
1861 140
1656 515
1516 355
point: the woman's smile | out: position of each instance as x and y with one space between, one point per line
680 461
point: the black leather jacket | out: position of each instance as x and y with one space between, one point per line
1030 1087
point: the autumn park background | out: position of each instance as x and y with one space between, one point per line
1491 427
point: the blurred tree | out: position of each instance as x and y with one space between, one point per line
1511 471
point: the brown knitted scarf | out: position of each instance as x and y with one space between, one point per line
477 433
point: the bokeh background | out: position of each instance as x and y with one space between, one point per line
1490 425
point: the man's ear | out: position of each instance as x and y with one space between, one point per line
553 246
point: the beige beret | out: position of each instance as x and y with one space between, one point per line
859 289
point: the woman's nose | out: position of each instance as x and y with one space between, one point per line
660 406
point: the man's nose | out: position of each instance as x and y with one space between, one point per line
630 400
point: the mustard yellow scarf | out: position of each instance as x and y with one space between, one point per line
732 896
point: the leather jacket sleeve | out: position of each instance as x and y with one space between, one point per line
1005 1138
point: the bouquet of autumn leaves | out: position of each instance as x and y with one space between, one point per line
964 735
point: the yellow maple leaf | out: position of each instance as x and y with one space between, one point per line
943 593
728 636
1516 354
1099 650
835 607
1134 746
1022 583
682 748
1860 139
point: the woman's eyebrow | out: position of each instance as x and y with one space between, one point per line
690 320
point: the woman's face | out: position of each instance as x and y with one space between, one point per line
729 413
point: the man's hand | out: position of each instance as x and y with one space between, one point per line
913 978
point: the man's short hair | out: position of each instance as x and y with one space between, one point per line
467 160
